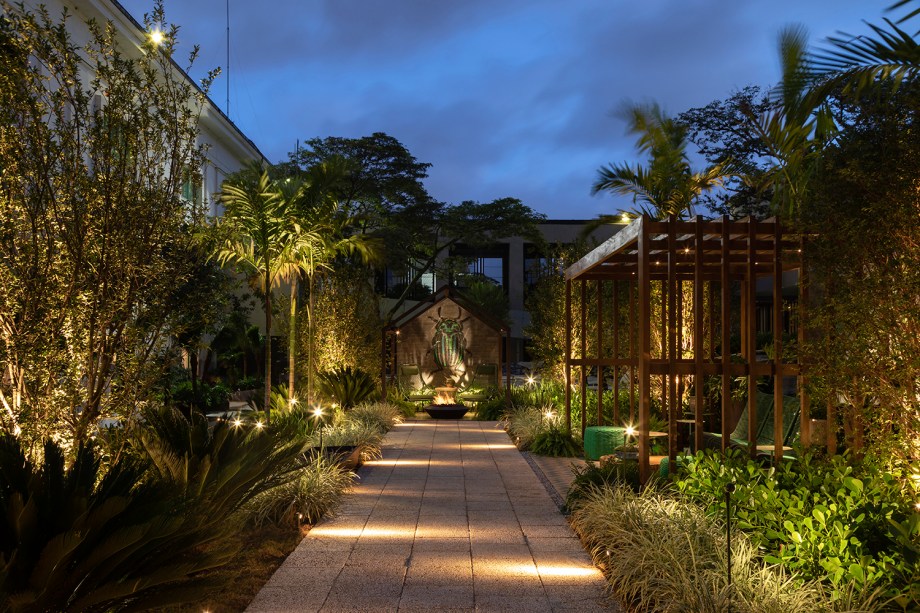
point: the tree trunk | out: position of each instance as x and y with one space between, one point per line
268 347
310 369
292 340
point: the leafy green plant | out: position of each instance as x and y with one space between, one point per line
663 554
592 476
395 398
836 520
554 441
492 409
346 386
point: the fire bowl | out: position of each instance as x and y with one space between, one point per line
446 411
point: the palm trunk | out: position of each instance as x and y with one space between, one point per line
292 339
268 347
310 369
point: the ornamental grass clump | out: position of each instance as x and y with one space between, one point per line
523 425
316 491
662 554
381 415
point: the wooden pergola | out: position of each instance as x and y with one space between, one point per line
673 275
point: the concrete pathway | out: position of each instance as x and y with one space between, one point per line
452 518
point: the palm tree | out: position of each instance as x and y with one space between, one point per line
795 131
666 185
320 232
860 63
259 242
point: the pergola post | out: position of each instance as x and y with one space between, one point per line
778 426
568 357
726 332
672 306
616 352
599 353
644 353
698 332
583 356
748 299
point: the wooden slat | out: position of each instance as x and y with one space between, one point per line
584 349
600 352
750 332
616 352
672 343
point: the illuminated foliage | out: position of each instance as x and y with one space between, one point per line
92 221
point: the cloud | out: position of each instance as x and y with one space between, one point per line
504 98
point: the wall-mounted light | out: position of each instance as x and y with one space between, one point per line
157 37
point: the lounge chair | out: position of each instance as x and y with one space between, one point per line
739 436
482 385
412 392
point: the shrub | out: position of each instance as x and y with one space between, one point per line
843 522
554 441
591 476
346 386
380 415
140 533
662 554
492 409
405 407
523 425
315 492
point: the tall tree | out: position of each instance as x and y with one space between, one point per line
259 241
666 185
92 216
722 132
383 187
322 231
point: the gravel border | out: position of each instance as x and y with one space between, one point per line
556 497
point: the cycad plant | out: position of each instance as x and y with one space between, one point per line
347 386
83 539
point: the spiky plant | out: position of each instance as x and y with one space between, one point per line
662 554
346 386
316 491
381 415
86 539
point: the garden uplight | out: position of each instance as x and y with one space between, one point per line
318 412
530 380
156 36
259 425
237 422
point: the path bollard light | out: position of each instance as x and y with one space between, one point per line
729 489
318 414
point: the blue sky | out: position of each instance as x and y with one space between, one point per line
502 97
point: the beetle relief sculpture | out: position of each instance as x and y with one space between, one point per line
448 344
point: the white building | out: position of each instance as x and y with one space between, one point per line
228 148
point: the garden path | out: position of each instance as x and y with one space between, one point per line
451 518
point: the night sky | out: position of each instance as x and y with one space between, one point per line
503 97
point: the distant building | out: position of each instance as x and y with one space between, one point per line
511 263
